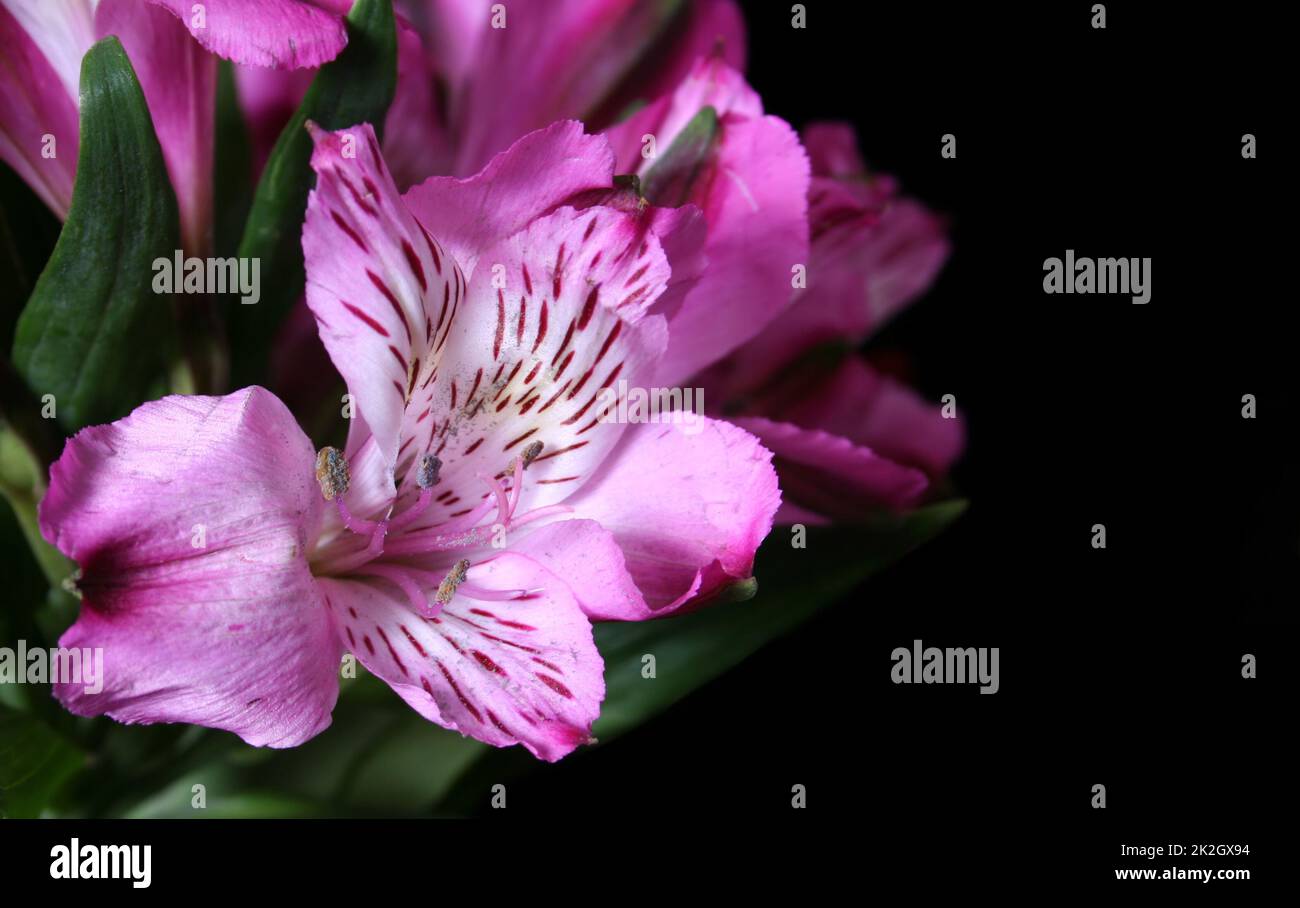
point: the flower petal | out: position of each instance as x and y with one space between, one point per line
587 556
549 61
553 324
63 32
541 171
515 671
752 188
830 475
384 293
189 519
179 82
688 503
878 411
286 34
36 101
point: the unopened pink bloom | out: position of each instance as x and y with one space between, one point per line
43 42
481 514
851 439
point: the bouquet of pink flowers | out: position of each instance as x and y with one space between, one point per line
429 344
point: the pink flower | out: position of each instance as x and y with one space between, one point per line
43 42
847 439
482 513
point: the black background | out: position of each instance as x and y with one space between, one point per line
1120 666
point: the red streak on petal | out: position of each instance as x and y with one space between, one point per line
415 643
555 686
588 307
414 261
460 696
347 228
392 652
379 329
392 301
488 664
512 443
501 324
581 444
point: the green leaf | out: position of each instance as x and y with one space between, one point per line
356 87
669 182
232 168
93 332
35 762
794 584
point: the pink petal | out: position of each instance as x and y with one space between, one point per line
873 253
224 629
754 197
688 503
515 671
877 411
268 98
709 83
285 34
833 150
587 556
385 294
553 60
711 28
830 475
416 143
554 322
63 31
37 100
542 170
179 84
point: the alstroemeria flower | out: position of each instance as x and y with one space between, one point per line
473 78
43 42
482 514
751 184
847 438
537 61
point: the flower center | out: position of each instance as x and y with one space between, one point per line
366 548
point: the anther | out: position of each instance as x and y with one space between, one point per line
455 577
426 476
531 452
332 473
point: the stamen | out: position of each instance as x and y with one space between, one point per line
332 473
358 558
455 577
426 477
356 524
441 539
531 452
408 584
503 501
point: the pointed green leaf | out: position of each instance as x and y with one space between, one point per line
93 333
356 87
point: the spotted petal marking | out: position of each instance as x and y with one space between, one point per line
384 293
506 672
554 316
